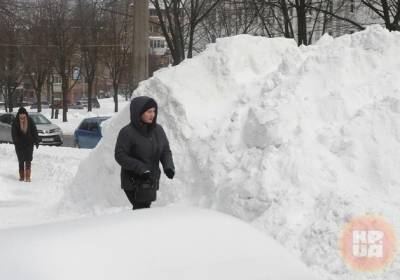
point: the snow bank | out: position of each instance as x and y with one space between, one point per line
161 243
296 141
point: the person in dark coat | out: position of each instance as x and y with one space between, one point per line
141 146
25 136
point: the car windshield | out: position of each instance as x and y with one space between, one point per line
40 119
102 120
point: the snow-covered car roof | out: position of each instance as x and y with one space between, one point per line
177 243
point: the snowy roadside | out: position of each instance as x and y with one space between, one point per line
37 202
75 116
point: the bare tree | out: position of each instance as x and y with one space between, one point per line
387 10
301 19
197 11
38 55
117 43
334 12
90 20
11 68
63 30
170 16
230 17
179 21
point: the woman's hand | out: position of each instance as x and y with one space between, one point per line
170 173
145 175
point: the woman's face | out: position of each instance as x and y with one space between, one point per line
22 117
148 116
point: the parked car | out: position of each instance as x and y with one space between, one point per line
84 102
45 105
49 133
6 120
76 106
88 134
57 104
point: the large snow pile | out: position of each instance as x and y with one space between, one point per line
297 141
161 243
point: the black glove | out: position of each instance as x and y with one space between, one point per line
145 176
169 172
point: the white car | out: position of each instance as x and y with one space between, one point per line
49 133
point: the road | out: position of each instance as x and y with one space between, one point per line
68 141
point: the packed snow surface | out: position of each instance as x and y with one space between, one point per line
295 140
22 203
161 243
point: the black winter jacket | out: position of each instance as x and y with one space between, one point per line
24 142
142 147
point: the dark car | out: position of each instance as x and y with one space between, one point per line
45 105
88 134
57 104
76 106
84 102
49 133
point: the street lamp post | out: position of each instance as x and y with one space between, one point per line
140 41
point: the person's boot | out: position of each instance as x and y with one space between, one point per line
28 175
22 175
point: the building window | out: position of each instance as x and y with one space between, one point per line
57 80
157 44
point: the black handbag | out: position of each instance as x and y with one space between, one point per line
139 184
144 190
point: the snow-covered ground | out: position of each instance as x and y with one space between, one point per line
295 141
53 169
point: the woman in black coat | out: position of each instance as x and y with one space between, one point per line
24 135
140 147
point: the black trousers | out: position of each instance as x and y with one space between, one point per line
136 204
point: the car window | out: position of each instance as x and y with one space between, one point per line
84 126
102 120
40 119
3 118
92 126
6 119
